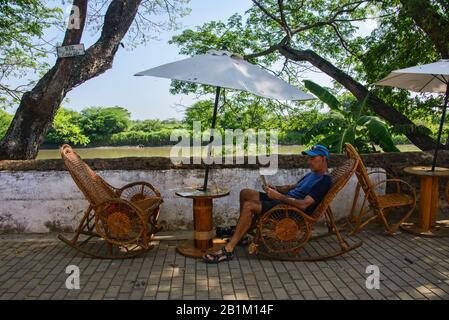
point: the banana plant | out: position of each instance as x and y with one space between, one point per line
348 122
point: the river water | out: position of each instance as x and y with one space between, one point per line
120 152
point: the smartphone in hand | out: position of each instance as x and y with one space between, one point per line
263 181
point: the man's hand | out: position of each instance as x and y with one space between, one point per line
300 204
273 194
268 186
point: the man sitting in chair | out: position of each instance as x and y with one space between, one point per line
304 195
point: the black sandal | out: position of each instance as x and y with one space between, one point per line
222 255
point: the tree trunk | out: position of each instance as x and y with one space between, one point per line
38 107
390 114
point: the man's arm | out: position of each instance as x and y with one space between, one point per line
285 189
300 204
280 189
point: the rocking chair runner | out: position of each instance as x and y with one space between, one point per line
284 231
376 206
125 218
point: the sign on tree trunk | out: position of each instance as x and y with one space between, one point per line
70 51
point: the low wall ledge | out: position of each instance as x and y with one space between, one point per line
390 161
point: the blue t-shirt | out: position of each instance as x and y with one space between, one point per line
313 185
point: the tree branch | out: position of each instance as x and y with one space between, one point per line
283 19
262 53
73 35
271 16
385 111
343 41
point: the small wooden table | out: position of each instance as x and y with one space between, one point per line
203 234
427 224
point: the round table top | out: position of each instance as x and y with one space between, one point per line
211 192
427 171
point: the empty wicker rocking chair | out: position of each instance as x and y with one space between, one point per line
283 232
125 219
376 206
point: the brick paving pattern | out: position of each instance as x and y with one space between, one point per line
410 268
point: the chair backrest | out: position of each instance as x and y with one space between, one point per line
95 189
339 176
362 174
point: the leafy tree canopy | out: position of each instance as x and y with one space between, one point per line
100 122
66 129
5 120
329 29
22 43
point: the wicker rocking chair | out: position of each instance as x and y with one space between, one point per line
446 192
123 220
283 232
376 206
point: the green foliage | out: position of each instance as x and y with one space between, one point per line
99 123
104 126
291 137
22 23
156 138
146 125
200 111
397 43
324 95
66 130
328 27
243 112
5 121
348 122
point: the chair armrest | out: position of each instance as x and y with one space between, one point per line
143 184
398 182
389 175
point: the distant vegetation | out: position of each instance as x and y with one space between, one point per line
112 126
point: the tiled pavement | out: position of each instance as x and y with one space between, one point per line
33 267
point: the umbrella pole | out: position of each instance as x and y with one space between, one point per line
443 116
214 120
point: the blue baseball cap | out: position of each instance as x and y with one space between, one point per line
317 150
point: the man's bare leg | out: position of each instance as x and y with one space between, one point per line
249 208
246 195
249 205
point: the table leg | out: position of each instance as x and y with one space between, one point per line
428 202
203 234
435 201
202 222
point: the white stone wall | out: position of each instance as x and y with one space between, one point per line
43 201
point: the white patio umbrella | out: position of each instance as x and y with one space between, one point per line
432 77
224 69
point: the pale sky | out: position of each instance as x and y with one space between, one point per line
149 97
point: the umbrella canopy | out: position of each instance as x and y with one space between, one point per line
431 77
228 70
223 69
